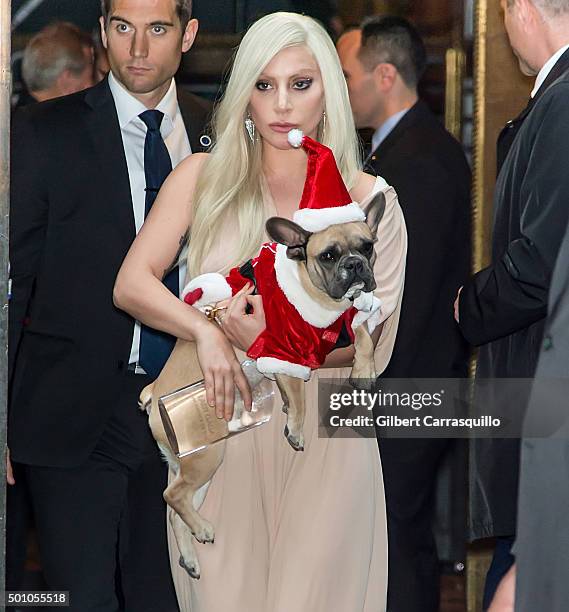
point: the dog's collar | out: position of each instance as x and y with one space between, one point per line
310 310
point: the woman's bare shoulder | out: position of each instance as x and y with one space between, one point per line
363 187
181 182
190 167
178 190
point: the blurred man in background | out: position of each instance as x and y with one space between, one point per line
58 61
383 62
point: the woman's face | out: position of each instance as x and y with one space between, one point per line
288 94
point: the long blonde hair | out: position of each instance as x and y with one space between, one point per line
231 178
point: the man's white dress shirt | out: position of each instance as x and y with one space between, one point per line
547 68
133 132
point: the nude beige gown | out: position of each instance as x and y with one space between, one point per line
300 531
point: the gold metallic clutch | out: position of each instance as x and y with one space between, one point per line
191 424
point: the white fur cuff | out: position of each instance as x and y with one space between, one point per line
271 365
214 287
365 302
371 316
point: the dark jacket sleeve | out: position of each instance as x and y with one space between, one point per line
430 205
28 222
512 293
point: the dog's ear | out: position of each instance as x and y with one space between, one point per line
374 211
290 234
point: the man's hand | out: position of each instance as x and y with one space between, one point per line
505 596
9 472
456 302
221 370
241 328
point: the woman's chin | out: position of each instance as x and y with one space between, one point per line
278 141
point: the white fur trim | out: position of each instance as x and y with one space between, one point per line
364 301
310 310
213 285
295 137
371 316
271 365
318 219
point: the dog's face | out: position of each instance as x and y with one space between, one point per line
339 260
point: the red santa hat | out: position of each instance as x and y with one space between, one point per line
325 199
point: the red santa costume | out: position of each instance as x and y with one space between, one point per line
299 331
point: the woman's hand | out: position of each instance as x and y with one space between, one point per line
241 328
9 471
457 306
221 370
505 597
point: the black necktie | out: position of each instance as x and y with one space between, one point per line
156 346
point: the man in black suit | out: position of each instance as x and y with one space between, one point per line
383 62
503 307
538 580
84 174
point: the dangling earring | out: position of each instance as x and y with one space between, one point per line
323 122
250 127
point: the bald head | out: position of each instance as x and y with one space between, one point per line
58 61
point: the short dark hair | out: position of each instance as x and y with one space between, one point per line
393 40
183 8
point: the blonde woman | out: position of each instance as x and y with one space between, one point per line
295 531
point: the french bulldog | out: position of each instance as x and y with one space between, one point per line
333 270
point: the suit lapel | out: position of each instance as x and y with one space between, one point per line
560 67
103 125
393 137
195 118
189 123
510 130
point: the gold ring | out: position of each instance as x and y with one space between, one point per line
219 316
211 312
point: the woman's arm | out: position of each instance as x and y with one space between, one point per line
140 292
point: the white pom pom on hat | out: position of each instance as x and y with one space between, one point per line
295 137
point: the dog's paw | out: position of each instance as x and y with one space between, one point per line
192 567
145 399
145 406
296 441
205 534
366 383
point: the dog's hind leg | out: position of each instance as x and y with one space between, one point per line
284 398
293 389
186 522
180 496
184 540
